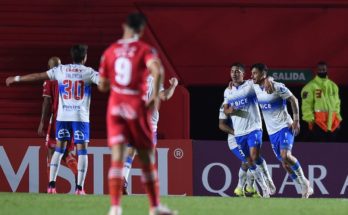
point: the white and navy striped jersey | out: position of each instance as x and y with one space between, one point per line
247 117
273 107
74 85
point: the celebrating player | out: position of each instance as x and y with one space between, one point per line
49 113
225 125
74 83
280 126
241 103
124 68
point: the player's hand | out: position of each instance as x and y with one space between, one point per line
295 127
230 85
310 126
173 82
229 111
269 86
153 103
40 130
10 80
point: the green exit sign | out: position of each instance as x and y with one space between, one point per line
291 76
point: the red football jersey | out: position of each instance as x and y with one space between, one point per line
50 89
125 63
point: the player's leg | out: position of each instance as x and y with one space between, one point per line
50 144
286 143
81 140
82 166
275 140
258 167
115 176
144 142
118 134
62 135
50 151
131 152
242 174
55 164
70 159
251 188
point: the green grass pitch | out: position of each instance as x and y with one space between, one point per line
64 204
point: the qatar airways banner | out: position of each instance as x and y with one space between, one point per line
324 164
23 168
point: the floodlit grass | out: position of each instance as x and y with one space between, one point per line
64 204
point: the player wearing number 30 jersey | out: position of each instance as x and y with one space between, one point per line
74 83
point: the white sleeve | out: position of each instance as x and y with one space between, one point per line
225 97
94 77
51 74
222 115
282 90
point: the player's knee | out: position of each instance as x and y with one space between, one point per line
82 152
286 156
244 165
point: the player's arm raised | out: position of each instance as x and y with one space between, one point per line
296 114
169 92
27 78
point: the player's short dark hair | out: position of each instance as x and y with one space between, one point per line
136 21
261 67
78 52
238 64
321 63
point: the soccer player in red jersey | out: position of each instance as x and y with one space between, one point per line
124 68
49 113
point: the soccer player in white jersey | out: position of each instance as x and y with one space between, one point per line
280 126
225 125
241 103
165 94
74 83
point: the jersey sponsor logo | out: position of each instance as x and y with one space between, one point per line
73 76
240 103
265 106
71 107
74 70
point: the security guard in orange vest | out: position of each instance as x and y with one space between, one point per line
321 102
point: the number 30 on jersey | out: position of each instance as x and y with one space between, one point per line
74 89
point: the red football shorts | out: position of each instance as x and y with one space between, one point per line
129 122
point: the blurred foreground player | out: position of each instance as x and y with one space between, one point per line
124 68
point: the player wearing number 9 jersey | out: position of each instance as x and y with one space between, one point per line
74 83
124 69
